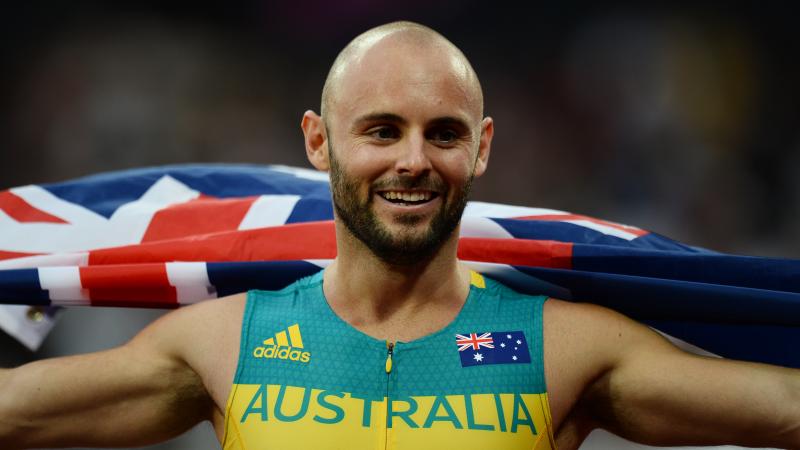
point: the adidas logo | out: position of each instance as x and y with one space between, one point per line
284 346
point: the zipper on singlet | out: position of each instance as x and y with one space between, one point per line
389 351
388 368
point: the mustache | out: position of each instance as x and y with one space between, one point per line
423 182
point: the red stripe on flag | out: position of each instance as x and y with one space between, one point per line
124 276
564 217
139 285
517 252
135 298
307 240
11 255
21 211
200 216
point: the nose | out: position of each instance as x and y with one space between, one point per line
412 158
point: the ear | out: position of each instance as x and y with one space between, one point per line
316 138
484 146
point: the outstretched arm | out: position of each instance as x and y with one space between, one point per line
649 391
137 394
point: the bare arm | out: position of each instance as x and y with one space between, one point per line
137 394
661 395
649 391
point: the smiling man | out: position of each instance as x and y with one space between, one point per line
397 345
402 201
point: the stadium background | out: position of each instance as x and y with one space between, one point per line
679 118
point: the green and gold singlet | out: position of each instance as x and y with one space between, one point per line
308 380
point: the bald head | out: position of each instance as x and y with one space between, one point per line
400 44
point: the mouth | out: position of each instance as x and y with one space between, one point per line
408 198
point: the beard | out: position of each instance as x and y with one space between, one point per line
405 248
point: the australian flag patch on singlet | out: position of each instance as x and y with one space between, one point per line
496 347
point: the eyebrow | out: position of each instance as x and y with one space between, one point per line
452 121
394 118
379 117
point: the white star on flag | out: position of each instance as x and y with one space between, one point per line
519 342
514 357
508 336
502 344
478 357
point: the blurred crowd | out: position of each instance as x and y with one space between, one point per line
679 119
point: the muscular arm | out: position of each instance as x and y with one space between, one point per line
640 386
137 394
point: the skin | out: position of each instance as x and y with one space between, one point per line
614 373
419 116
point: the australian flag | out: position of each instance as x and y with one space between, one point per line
496 347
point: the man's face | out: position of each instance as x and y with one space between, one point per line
416 228
403 143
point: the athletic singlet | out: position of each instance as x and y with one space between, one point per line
306 379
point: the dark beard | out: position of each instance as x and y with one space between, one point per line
361 221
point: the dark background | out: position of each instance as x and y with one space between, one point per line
682 119
678 118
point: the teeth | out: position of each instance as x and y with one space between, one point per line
407 196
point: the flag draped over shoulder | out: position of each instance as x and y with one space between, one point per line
168 236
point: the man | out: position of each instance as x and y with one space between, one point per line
397 344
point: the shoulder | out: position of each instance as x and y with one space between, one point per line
586 329
189 322
584 343
578 341
194 329
588 339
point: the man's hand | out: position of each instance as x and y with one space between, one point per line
141 393
640 386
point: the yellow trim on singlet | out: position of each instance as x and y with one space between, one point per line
477 279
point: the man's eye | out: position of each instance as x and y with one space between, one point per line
445 136
384 133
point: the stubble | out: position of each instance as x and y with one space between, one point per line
407 247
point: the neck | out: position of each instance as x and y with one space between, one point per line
395 302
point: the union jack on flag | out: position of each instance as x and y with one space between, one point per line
474 341
170 236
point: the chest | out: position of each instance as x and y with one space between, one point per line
306 381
